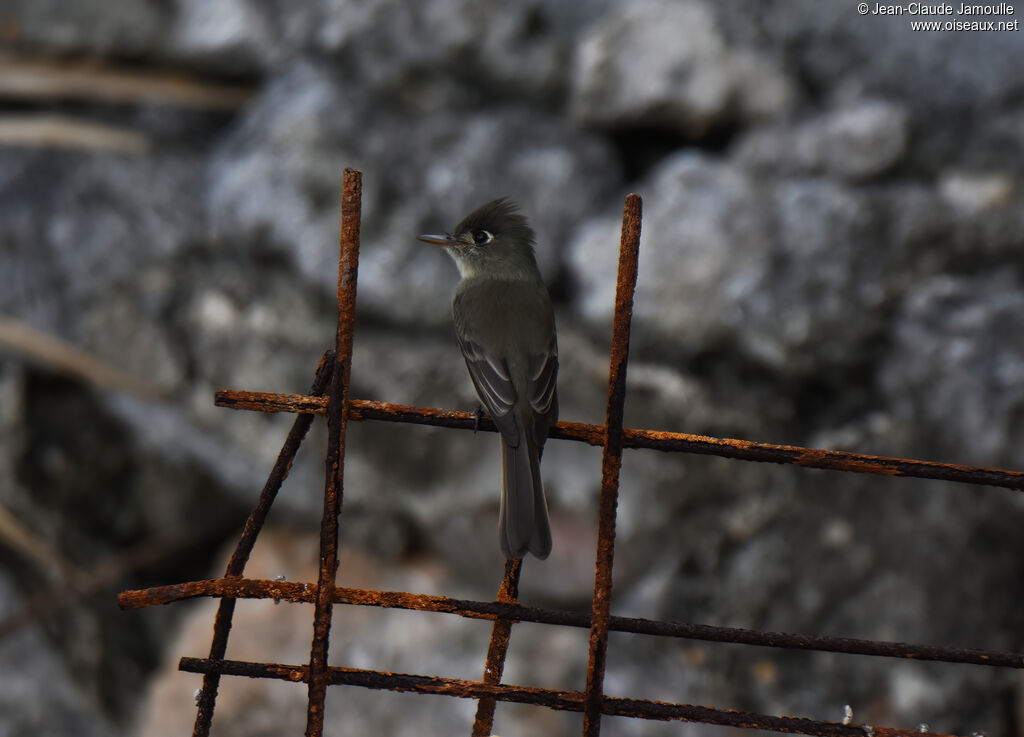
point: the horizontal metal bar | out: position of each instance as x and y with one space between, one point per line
553 699
244 588
675 442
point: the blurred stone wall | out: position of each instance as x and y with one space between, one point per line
832 256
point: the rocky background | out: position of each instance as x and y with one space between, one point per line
832 256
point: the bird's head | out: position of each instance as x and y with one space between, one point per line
493 241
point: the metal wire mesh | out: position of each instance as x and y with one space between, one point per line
329 395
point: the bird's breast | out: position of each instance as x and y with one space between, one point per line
504 314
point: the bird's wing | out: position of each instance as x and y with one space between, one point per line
493 378
543 391
493 385
543 377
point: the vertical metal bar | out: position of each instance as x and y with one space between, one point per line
226 610
508 593
611 461
337 416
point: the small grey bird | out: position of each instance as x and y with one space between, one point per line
506 329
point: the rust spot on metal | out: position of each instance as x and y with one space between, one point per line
823 459
270 402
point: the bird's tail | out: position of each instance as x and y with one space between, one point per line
523 522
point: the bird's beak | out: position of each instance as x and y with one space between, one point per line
441 240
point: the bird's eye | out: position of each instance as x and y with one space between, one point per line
482 237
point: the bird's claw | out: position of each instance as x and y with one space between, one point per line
477 414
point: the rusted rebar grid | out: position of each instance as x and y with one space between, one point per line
236 565
552 699
611 462
340 407
242 588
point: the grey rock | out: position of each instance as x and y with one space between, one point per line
724 260
944 79
972 193
666 64
121 28
954 374
513 48
107 256
994 141
276 179
500 49
493 48
93 496
853 143
67 707
82 225
836 46
240 36
699 217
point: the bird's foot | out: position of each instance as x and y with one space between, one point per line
477 414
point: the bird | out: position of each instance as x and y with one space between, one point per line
505 327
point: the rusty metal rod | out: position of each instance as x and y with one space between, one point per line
670 442
501 632
504 612
236 565
611 462
337 420
244 588
551 698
